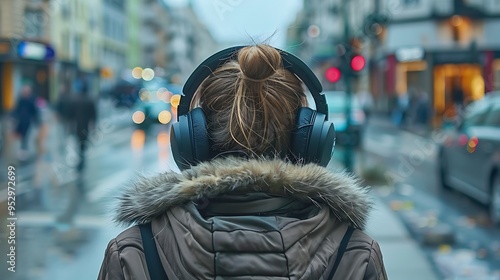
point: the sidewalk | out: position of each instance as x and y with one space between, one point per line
403 257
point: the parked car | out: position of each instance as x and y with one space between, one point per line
154 105
337 102
469 157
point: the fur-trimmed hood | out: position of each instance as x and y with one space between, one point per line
151 197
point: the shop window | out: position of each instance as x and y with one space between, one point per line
448 77
409 74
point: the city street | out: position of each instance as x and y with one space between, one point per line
451 229
89 91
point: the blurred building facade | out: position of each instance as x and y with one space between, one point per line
438 47
154 39
171 40
133 29
115 46
26 53
434 47
58 46
76 35
189 43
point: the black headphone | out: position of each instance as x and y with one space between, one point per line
312 139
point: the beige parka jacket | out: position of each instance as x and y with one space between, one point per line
246 219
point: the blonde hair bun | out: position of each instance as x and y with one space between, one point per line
259 62
251 103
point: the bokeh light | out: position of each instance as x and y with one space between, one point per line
472 144
175 100
164 117
137 72
144 95
137 140
163 94
148 74
462 140
138 117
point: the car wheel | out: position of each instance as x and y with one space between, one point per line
443 172
495 199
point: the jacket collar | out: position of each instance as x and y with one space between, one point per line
151 197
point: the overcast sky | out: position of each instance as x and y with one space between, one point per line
240 21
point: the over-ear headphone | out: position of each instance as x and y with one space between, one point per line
312 139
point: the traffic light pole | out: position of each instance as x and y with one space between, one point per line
348 153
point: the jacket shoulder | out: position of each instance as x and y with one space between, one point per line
124 254
363 255
130 237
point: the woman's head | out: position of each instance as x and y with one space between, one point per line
251 103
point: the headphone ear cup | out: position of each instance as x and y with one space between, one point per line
313 138
179 142
300 137
189 139
326 143
201 143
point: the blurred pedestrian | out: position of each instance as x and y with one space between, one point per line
423 108
25 114
457 96
366 103
64 110
255 199
400 112
84 118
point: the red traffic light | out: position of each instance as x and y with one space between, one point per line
357 63
333 74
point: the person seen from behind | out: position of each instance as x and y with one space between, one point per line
25 114
84 118
64 115
254 201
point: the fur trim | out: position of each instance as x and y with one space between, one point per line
151 197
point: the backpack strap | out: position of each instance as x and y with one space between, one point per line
340 252
155 268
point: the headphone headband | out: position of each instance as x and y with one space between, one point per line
290 62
